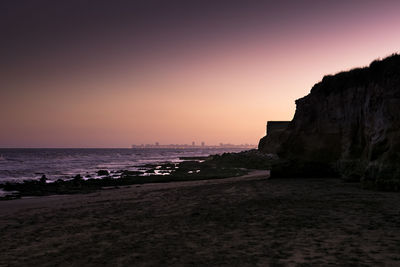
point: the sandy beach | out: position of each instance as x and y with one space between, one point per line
249 220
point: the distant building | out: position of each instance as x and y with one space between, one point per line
193 143
203 144
275 126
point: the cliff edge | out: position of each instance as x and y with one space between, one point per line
348 126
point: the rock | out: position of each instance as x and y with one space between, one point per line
131 173
250 159
77 177
102 173
43 179
349 124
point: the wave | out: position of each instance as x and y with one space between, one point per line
2 158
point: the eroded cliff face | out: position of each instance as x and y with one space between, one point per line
349 125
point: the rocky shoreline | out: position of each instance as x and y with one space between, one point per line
192 168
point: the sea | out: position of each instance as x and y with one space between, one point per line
17 165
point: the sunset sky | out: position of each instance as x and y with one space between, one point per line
79 73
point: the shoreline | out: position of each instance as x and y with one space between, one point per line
191 168
17 165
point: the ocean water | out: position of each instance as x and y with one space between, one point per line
29 164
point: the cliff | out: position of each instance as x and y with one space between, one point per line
348 125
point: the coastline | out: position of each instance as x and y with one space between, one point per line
19 164
241 220
190 168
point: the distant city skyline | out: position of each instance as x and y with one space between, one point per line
193 144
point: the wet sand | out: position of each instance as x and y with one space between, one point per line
248 220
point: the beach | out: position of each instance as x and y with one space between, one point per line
248 220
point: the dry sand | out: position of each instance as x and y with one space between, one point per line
246 220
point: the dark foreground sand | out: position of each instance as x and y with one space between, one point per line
236 221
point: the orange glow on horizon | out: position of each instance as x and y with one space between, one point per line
224 91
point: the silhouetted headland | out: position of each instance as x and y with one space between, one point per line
348 127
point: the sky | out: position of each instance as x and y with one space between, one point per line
82 73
